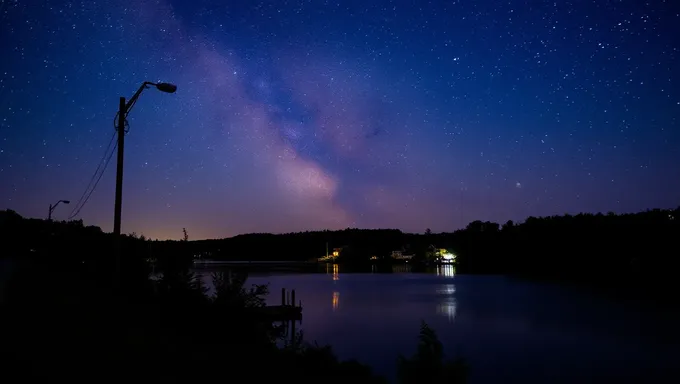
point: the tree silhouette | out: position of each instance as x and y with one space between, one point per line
428 365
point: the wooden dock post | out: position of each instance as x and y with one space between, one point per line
292 297
283 296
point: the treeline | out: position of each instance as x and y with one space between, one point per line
599 248
69 252
301 245
634 252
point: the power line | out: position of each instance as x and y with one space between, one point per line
94 176
108 159
101 167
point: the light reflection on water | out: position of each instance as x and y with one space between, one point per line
336 300
447 306
503 327
333 269
446 270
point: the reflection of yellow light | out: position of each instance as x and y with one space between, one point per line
336 300
336 272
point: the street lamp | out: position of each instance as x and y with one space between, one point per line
123 110
166 87
52 206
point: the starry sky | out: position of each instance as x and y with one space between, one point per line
302 115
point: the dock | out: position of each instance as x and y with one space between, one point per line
285 312
281 313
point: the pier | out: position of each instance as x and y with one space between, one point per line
287 311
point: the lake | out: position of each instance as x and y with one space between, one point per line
507 329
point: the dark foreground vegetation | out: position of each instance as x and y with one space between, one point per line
71 313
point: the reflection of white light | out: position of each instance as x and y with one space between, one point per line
448 289
446 270
447 308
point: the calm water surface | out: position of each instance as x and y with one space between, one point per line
508 330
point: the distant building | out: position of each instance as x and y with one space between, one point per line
441 255
332 256
401 255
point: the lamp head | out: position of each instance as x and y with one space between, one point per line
66 201
166 87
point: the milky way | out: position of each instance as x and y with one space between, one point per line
301 115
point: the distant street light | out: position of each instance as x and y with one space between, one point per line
123 110
52 206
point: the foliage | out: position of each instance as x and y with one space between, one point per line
74 314
229 289
316 362
301 246
610 252
428 364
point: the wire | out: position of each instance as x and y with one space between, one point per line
80 206
104 161
101 168
94 176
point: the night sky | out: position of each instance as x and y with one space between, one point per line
304 115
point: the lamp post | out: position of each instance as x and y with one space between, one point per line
123 110
52 206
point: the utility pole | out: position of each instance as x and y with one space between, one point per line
53 206
122 112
